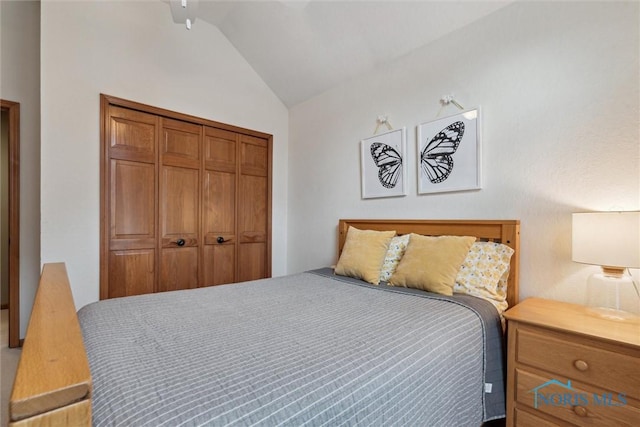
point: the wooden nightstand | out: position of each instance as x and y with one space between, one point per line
567 367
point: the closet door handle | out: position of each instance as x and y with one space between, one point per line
180 242
220 239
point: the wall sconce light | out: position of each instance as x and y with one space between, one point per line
612 241
184 11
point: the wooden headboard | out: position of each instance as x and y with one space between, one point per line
506 232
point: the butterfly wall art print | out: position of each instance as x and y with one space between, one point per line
449 153
384 172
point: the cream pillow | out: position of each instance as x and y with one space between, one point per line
395 252
431 263
484 273
363 254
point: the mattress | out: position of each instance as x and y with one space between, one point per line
305 349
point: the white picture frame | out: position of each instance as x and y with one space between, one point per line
383 164
449 153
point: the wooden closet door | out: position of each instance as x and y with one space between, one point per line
179 205
185 202
253 209
219 206
131 176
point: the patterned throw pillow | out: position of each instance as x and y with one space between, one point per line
396 249
484 273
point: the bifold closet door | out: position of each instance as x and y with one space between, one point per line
253 209
185 202
236 207
131 176
219 213
179 205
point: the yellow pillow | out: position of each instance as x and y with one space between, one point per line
431 263
363 254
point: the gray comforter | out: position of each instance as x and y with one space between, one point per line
307 349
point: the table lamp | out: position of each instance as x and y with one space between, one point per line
612 241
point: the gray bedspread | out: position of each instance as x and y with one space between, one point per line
307 349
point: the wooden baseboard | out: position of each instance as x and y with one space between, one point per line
4 307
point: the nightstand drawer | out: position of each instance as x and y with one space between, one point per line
525 419
575 405
566 356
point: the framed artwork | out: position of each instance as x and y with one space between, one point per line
384 173
449 153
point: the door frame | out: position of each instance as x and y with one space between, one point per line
13 108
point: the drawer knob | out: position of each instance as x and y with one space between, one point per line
580 411
581 365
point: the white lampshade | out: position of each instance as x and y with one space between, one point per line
609 239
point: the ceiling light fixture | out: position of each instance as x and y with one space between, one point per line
184 11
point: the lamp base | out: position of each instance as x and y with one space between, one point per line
611 297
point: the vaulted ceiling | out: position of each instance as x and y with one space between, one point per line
302 48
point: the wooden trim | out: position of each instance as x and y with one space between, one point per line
112 100
14 220
502 231
53 373
269 203
4 306
104 197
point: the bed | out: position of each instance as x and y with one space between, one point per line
306 349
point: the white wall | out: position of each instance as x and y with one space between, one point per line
20 82
559 89
133 50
